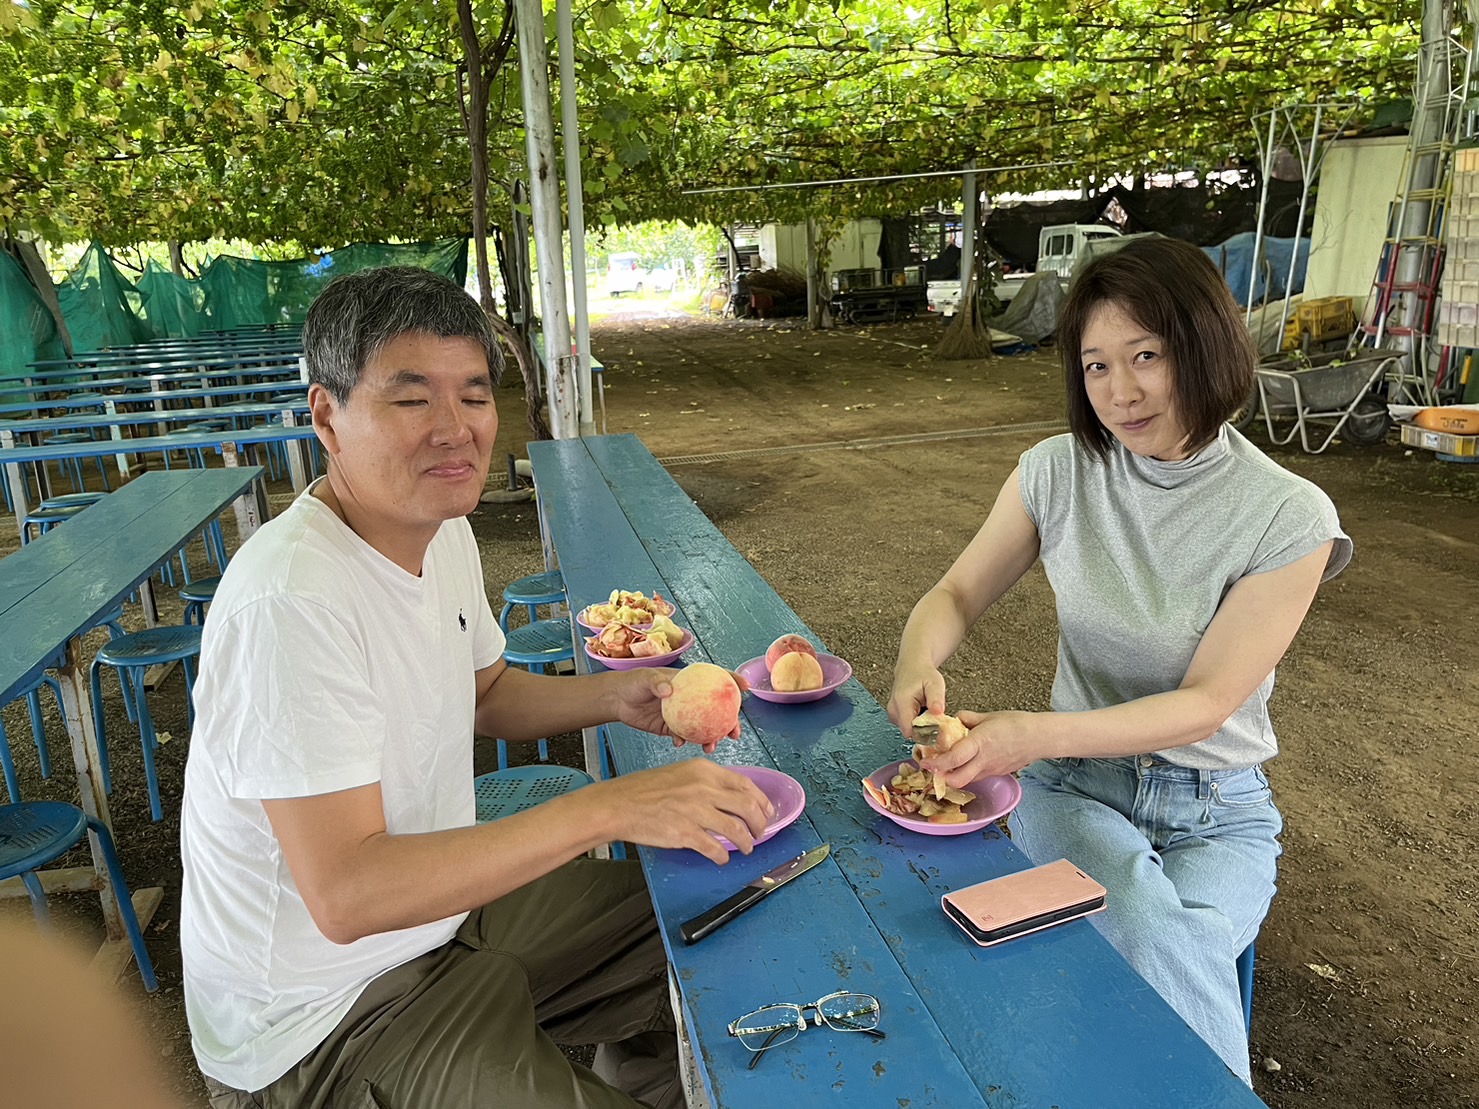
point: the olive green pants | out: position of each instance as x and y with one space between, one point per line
572 958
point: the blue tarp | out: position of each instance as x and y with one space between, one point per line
1235 259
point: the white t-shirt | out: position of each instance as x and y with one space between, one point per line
324 666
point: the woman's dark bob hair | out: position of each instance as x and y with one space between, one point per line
1172 289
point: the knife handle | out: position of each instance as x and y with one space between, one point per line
700 926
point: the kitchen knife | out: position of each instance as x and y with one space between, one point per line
700 926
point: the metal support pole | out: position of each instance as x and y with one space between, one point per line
544 196
575 200
1307 165
813 300
970 205
1265 167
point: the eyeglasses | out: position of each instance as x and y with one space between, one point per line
778 1024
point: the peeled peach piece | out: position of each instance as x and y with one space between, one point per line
704 706
795 672
786 644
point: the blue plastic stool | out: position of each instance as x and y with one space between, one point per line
193 452
505 792
33 833
112 621
1245 985
196 596
531 592
67 499
215 550
44 519
72 467
535 646
133 655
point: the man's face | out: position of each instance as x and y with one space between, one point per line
411 445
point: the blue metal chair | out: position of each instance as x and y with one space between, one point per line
133 655
532 591
1245 985
33 833
535 646
505 792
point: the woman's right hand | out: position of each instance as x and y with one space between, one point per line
917 688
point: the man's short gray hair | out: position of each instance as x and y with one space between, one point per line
359 313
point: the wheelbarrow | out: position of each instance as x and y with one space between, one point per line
1333 390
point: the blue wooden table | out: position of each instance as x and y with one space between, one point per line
133 358
207 397
55 588
1051 1019
144 380
251 511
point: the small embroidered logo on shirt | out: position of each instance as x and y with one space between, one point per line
461 620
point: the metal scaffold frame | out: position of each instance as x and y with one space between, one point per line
1283 130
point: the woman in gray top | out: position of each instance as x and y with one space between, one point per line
1183 561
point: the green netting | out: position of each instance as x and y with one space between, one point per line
27 327
243 292
172 304
100 305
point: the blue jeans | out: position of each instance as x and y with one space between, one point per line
1189 858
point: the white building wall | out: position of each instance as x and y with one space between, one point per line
856 248
1358 182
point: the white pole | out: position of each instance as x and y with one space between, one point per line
970 203
1267 168
575 198
544 198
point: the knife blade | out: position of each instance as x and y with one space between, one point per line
700 926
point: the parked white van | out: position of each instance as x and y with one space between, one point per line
623 274
1060 249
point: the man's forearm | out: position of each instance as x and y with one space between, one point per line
521 705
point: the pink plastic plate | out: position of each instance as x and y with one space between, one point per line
996 795
580 619
835 671
785 794
634 663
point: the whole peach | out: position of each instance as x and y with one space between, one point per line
795 672
787 643
704 706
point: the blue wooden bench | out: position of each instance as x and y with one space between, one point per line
1052 1019
55 588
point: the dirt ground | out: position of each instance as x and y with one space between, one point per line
874 465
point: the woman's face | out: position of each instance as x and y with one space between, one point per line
1127 375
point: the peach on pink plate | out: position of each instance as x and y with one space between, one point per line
835 671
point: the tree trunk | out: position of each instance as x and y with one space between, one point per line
475 118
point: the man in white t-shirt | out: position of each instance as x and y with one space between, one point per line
350 936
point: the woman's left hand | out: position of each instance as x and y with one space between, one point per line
998 743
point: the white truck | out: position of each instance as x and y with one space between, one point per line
1060 248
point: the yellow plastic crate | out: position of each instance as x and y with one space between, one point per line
1322 319
1461 446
